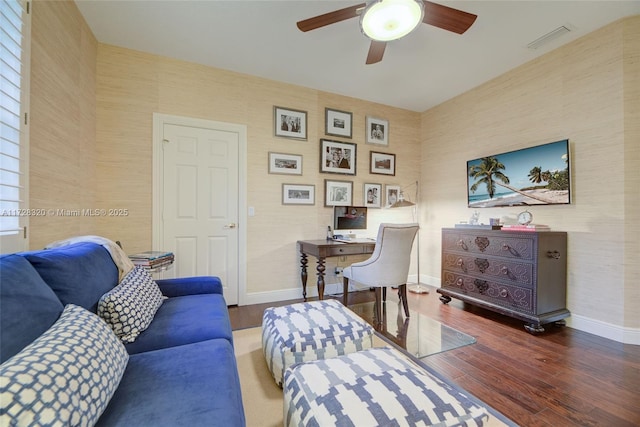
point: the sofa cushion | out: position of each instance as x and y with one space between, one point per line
28 308
79 273
189 385
65 377
190 286
185 320
129 307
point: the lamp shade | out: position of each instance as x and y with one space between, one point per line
402 202
386 20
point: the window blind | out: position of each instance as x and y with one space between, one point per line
12 156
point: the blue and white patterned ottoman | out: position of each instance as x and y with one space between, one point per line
376 387
310 331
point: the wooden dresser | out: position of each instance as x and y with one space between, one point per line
519 274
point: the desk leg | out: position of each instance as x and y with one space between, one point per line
303 274
320 268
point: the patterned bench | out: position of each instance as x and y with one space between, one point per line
376 387
311 331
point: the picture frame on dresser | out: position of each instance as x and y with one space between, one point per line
338 123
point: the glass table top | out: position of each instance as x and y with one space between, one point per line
419 335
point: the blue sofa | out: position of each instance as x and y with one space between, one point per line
181 370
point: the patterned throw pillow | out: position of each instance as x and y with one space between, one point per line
66 376
130 307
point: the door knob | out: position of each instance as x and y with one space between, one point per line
231 225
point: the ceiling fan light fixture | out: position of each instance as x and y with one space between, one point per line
386 20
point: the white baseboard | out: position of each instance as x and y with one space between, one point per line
604 329
296 293
581 323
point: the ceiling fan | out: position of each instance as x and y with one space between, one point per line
388 16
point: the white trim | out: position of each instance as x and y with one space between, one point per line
296 293
604 329
159 120
18 242
428 280
586 324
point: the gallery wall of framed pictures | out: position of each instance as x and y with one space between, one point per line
338 155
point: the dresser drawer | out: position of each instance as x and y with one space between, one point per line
507 296
494 244
499 269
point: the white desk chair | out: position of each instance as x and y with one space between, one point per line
387 266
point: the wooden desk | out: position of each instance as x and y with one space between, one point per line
322 249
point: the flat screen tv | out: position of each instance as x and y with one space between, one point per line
531 176
347 219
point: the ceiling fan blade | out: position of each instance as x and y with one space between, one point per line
330 18
447 18
376 51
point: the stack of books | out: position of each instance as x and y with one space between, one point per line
478 226
152 260
528 227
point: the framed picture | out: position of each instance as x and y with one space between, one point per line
383 163
372 195
337 123
337 193
377 131
290 123
296 194
287 164
337 157
393 192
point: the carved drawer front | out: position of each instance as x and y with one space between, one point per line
487 244
500 269
508 296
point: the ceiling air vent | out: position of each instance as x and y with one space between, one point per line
550 36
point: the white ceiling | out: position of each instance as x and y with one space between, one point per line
424 69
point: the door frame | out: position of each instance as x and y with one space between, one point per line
159 120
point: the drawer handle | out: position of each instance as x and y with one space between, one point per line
463 245
459 282
512 251
553 254
504 270
504 293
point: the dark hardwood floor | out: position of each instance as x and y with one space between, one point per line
562 377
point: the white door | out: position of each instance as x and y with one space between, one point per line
200 213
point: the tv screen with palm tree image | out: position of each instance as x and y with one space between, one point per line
532 176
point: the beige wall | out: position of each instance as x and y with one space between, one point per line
62 129
131 86
586 91
91 130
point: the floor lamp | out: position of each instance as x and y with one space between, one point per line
417 288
